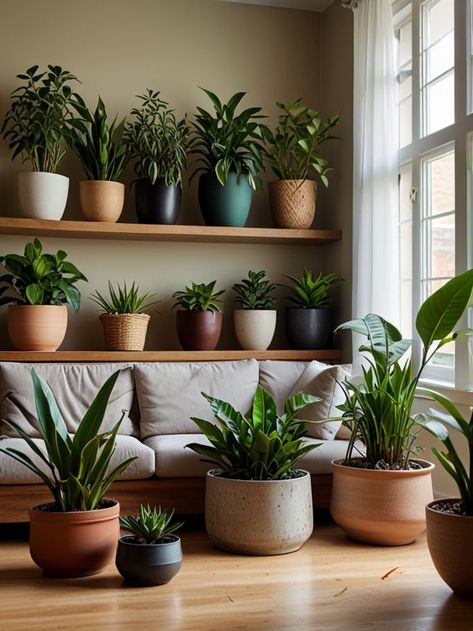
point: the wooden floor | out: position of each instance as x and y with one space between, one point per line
331 584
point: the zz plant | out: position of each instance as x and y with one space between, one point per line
255 292
309 292
123 299
150 526
199 297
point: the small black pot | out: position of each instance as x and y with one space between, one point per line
309 328
147 564
157 203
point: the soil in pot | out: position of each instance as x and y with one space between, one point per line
199 330
101 200
37 327
149 564
308 328
227 205
157 203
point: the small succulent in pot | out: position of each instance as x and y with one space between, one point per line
255 320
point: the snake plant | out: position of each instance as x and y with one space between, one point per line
150 525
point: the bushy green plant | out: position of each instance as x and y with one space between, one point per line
260 445
292 148
77 466
226 142
123 299
150 526
36 123
255 292
309 292
199 297
40 279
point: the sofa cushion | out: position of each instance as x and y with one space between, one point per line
169 394
74 386
279 377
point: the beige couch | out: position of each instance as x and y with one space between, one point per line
160 398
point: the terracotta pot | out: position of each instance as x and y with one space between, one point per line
449 538
37 327
292 203
101 200
254 328
148 564
381 507
76 543
124 331
43 195
199 330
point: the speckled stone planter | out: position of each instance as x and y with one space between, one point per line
258 517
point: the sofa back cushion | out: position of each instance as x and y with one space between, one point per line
169 393
279 377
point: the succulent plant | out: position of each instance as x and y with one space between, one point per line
309 292
199 297
123 300
150 525
255 292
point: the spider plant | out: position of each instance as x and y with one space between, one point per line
123 299
150 526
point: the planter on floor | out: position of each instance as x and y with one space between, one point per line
148 564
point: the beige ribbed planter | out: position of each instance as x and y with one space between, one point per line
258 517
124 331
292 203
254 328
36 327
381 507
101 200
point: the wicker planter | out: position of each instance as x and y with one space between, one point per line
124 331
292 203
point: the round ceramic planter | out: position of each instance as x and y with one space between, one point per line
76 543
157 203
199 330
227 205
37 327
292 203
101 200
43 195
258 517
381 507
308 328
148 564
449 539
124 331
254 328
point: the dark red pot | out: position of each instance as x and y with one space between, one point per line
199 330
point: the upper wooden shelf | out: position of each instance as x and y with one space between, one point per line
149 232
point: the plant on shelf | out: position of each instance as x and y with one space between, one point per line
229 150
255 320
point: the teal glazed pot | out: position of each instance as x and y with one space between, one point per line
227 205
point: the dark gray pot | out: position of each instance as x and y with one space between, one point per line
309 328
148 564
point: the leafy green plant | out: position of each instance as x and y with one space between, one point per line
40 110
40 279
260 445
78 475
292 148
96 142
309 292
226 142
123 300
150 526
157 141
199 297
255 292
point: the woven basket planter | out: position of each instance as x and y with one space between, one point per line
292 203
124 331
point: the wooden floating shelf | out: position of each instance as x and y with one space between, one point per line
172 233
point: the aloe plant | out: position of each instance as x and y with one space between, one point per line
150 525
309 292
199 297
255 292
123 299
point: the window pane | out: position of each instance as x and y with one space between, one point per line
405 122
442 263
404 36
439 110
440 57
406 308
442 184
439 19
405 187
406 251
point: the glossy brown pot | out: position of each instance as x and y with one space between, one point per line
199 330
292 203
76 543
37 327
101 200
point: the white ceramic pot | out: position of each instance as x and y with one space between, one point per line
43 195
254 328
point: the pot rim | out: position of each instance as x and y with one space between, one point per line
43 173
97 514
211 474
308 308
427 467
106 182
307 179
197 311
139 316
37 306
258 310
431 507
132 544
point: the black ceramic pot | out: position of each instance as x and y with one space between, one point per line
148 564
309 328
157 203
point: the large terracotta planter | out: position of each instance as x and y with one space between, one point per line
254 328
260 517
199 330
147 564
37 327
124 331
75 543
381 507
449 538
101 200
292 203
43 195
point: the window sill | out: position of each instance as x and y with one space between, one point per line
456 396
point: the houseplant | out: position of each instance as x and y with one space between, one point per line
199 319
42 286
380 496
158 143
309 319
99 147
292 153
255 320
35 127
256 501
76 534
152 554
124 323
229 151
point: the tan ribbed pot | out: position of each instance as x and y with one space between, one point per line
124 331
101 200
381 507
36 327
292 203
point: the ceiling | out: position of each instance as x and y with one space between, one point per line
306 5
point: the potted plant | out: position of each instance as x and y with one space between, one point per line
255 320
35 127
158 143
42 286
229 149
379 490
309 320
199 320
76 534
292 152
152 554
257 501
124 323
99 147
